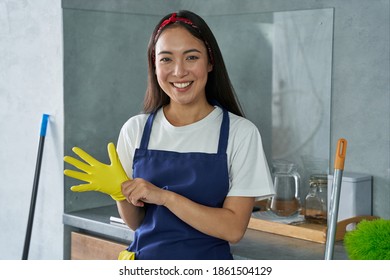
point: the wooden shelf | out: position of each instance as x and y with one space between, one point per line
306 231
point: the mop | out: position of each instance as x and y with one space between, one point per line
26 248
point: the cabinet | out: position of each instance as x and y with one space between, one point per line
87 247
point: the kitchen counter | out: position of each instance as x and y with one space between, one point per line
256 245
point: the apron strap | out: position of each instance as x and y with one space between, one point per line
223 135
147 130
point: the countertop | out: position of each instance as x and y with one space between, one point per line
255 245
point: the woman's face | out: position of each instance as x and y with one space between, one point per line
182 66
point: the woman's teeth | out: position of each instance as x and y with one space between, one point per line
181 85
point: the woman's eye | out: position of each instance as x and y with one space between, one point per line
165 59
192 57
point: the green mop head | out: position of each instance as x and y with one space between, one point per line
369 241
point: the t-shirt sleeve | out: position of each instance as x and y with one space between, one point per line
125 151
249 172
128 140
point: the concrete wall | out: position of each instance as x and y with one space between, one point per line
31 84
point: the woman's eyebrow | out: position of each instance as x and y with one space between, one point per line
192 50
164 52
185 52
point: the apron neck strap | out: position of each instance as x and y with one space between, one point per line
147 131
224 133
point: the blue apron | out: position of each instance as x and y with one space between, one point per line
202 178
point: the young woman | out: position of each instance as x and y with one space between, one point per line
197 165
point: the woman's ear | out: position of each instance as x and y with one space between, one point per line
209 67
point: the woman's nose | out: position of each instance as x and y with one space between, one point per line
180 70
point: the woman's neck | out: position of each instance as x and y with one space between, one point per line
181 115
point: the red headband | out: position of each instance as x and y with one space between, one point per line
173 19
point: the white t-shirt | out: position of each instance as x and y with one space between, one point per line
249 173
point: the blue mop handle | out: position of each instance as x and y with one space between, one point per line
45 118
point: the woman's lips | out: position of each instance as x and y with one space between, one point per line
182 85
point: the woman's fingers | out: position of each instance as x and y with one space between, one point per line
139 191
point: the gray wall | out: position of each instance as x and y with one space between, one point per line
31 84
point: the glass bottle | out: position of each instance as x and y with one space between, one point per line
316 199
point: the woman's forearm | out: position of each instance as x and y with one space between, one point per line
229 222
130 214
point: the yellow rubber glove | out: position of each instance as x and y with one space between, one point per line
126 255
101 177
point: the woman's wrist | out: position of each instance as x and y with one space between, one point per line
168 198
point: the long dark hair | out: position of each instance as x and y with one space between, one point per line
218 86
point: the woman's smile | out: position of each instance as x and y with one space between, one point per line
182 85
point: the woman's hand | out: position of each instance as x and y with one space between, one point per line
136 193
139 191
